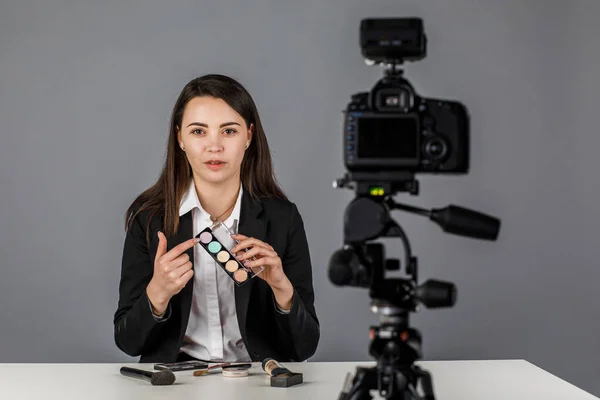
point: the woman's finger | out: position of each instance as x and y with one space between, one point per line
182 269
179 249
264 262
185 278
240 238
257 251
247 243
179 261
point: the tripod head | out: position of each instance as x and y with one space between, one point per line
367 217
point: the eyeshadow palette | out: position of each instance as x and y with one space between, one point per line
223 257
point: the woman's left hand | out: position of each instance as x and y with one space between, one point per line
265 256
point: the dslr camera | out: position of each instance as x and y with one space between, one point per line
392 127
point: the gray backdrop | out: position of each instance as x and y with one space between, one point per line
86 89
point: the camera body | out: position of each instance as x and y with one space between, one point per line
392 127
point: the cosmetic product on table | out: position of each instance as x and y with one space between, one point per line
280 376
230 370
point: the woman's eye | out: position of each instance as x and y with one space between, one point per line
197 131
230 131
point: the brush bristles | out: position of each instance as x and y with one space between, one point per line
162 378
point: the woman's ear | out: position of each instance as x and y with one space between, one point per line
181 146
250 134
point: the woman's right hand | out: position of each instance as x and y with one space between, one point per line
172 271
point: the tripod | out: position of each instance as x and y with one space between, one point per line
394 344
396 347
362 263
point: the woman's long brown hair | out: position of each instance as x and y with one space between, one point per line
256 171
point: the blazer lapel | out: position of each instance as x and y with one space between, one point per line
252 226
184 233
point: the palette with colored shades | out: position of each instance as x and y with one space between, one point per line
223 257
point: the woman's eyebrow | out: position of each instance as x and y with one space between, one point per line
206 126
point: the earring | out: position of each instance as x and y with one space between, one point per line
181 145
247 145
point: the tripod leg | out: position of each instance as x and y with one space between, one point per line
364 380
426 382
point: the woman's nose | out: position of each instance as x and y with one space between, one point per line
214 143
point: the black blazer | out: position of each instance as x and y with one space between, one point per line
265 332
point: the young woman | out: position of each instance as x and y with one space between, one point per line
175 303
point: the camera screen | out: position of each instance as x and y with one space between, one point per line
387 137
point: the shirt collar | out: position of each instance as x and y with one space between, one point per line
234 218
190 200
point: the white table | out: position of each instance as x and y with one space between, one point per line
452 380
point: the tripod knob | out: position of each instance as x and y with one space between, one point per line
436 294
338 183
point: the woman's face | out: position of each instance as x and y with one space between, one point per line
214 137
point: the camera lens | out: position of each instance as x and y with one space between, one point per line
436 148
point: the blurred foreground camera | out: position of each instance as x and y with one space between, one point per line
390 134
